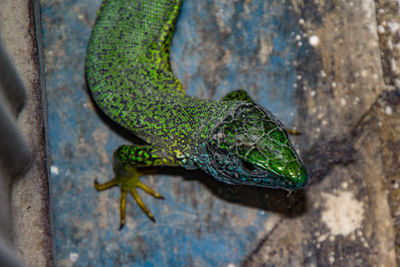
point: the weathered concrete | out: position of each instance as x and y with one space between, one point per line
30 194
351 148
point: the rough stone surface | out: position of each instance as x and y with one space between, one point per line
348 220
30 194
387 110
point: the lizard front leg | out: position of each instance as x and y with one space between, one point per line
126 161
238 95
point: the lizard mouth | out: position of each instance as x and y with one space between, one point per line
230 169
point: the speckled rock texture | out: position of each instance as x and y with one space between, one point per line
327 68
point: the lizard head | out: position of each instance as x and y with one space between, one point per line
250 146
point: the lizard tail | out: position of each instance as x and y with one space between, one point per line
127 60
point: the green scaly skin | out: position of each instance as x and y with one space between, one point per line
130 78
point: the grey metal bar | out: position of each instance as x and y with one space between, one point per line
11 85
7 258
15 153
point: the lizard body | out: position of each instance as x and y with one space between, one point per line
130 78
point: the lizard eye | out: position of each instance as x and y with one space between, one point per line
247 166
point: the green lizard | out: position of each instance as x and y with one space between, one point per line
130 78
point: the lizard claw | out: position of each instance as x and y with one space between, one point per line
129 184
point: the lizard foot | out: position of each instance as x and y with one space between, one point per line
292 131
128 182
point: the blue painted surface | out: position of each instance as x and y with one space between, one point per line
219 46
